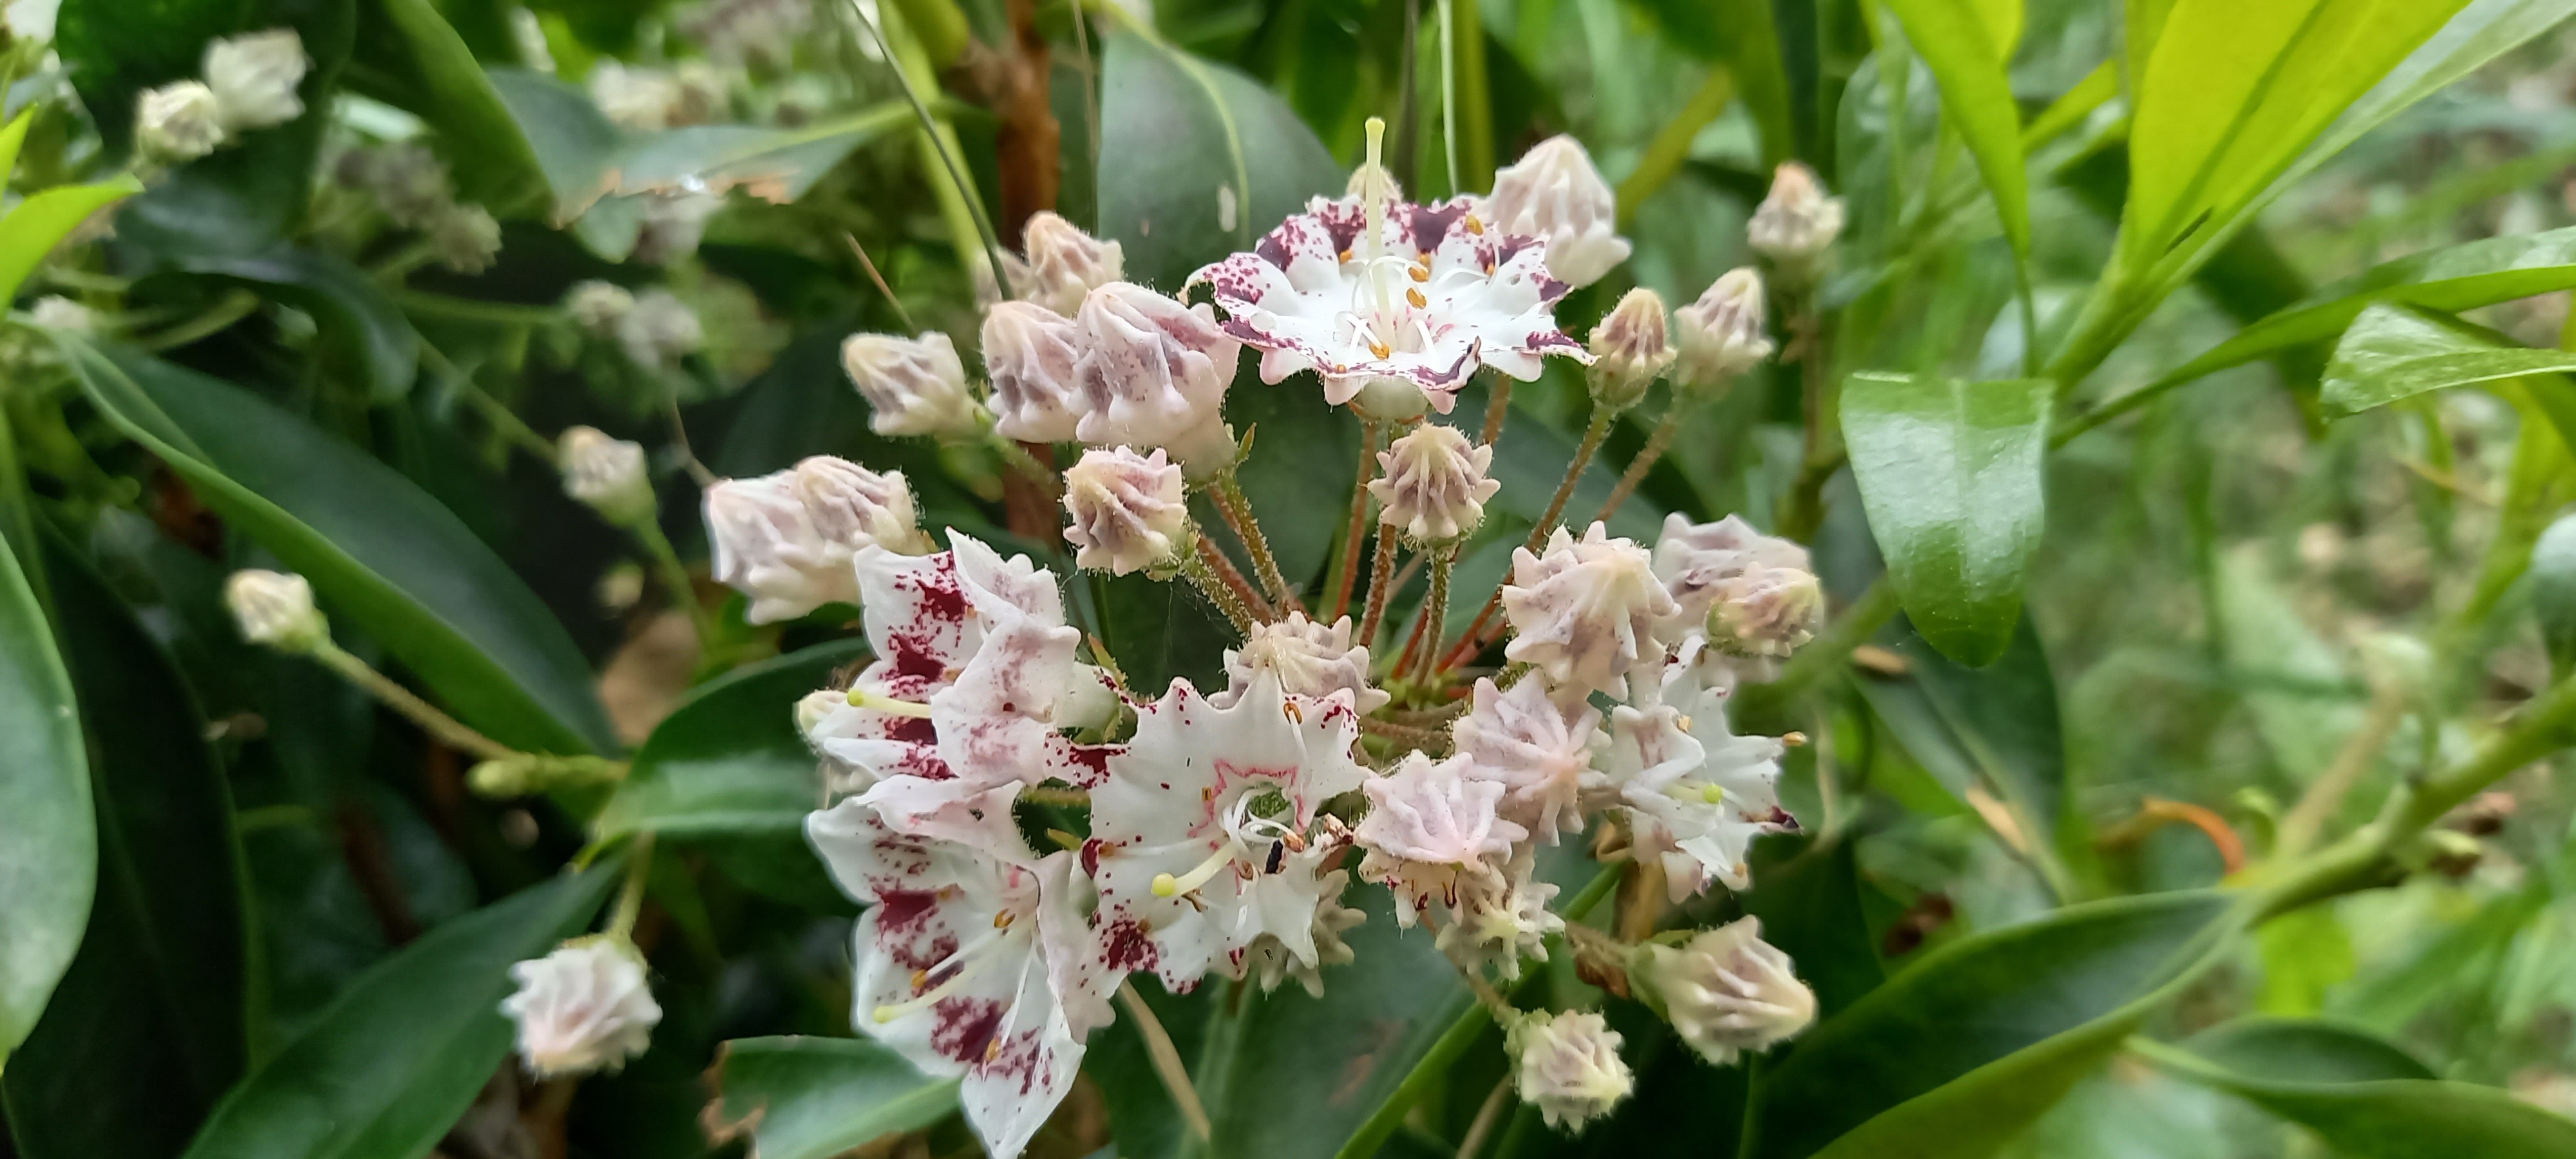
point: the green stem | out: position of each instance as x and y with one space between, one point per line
447 729
1195 568
630 896
1593 433
494 411
233 307
1166 1059
1654 449
675 576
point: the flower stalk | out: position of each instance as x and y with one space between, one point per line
1216 578
1236 507
1381 578
1357 527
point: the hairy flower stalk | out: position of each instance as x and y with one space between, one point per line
1357 526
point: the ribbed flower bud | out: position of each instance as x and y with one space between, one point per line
276 609
1629 350
598 306
1153 374
1430 829
177 122
855 507
916 386
585 1007
1310 659
1767 612
1431 484
254 77
1029 353
1796 223
766 546
1555 194
660 329
1568 1066
465 238
56 312
1130 512
1725 991
1065 264
1721 334
1585 612
606 473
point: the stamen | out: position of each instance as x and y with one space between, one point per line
862 698
1165 885
960 967
1419 302
1001 919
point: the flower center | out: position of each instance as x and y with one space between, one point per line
1389 311
1250 823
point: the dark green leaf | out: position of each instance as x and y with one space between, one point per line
729 760
1807 894
1299 478
148 1028
1994 728
1208 160
1967 44
2394 352
386 1069
1159 630
2553 592
410 58
575 145
48 839
813 1098
379 550
776 165
2365 1098
1949 471
2305 1051
355 315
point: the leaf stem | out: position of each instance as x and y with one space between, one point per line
1166 1059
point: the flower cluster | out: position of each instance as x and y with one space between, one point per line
245 82
411 185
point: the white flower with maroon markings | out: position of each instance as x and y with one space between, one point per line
1540 752
1554 193
1030 353
973 957
1431 831
1500 919
1153 373
1205 838
1310 659
1270 960
1585 612
1696 794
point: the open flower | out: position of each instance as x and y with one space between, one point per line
1696 794
1431 830
1153 374
1433 485
583 1008
1309 659
1205 839
1500 919
1726 990
1030 352
1585 611
1553 193
1540 753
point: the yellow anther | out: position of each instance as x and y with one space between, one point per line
1415 296
1166 885
1002 919
1420 273
1712 794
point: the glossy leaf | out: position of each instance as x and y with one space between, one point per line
1208 160
35 226
729 759
2365 1098
148 1028
381 552
2553 592
2395 352
776 165
387 1068
1967 44
1995 728
355 314
48 838
814 1098
409 57
575 144
1949 471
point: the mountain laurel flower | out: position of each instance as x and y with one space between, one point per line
1554 193
1030 352
254 77
1767 613
1586 612
1629 350
660 330
177 122
1540 753
606 473
1270 960
1500 919
1431 484
1796 223
1725 991
1129 511
1722 333
914 386
1696 794
1431 829
1308 658
766 546
1153 374
466 238
1753 594
276 609
598 306
1567 1065
1065 264
857 507
585 1007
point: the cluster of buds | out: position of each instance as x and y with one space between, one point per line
244 82
655 328
413 188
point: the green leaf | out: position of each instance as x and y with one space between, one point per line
41 222
576 147
387 1068
2395 352
356 316
410 58
1952 1057
2365 1098
1208 159
729 759
814 1098
380 551
1949 472
775 165
48 838
2553 593
148 1028
1968 43
1299 476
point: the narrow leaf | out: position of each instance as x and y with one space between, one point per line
814 1098
356 315
1967 43
48 840
41 222
2395 352
729 759
412 59
2363 1097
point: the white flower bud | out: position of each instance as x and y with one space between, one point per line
254 77
1767 612
1064 263
1721 334
276 609
1567 1065
915 386
1129 511
1585 612
640 99
408 182
1029 353
1154 374
177 122
659 329
767 547
31 20
1796 223
1432 485
856 507
1310 659
1629 350
606 473
585 1007
1753 594
56 312
1553 193
598 306
465 237
1725 991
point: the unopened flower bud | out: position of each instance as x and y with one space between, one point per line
585 1007
1129 511
1629 351
606 473
1555 194
1796 223
465 238
276 609
1721 334
915 386
1586 612
1767 611
1065 264
1568 1066
659 329
177 122
1309 659
598 306
1725 991
1029 353
674 224
408 181
1432 484
253 78
1153 374
766 546
856 507
56 312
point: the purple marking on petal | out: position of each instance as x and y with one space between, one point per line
1429 223
965 1027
